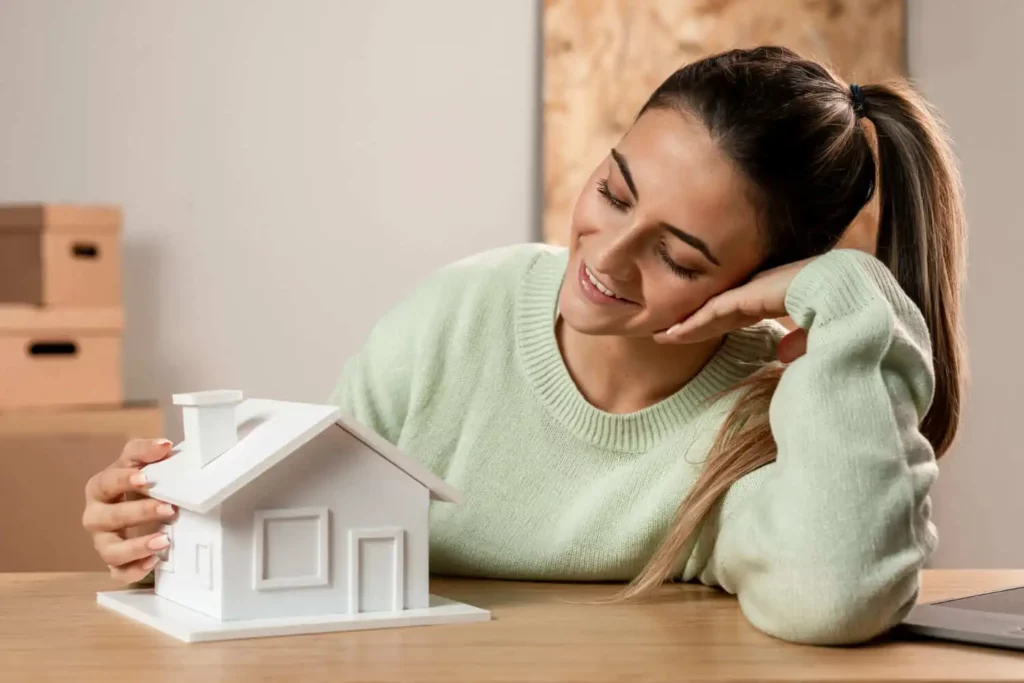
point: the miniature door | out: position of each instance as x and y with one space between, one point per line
376 570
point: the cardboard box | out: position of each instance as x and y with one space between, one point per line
60 255
130 421
59 357
46 458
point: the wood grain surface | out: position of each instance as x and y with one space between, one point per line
52 630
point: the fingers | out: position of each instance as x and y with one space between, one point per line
138 452
792 346
760 298
107 514
118 516
698 320
706 327
110 484
135 571
117 551
717 316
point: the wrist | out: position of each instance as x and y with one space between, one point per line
838 284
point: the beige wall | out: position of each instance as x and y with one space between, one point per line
288 169
966 57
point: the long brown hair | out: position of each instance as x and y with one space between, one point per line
795 130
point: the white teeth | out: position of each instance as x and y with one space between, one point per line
601 288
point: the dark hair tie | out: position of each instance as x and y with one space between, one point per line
858 100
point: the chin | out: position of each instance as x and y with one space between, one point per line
592 328
576 314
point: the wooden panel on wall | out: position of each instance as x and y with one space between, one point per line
603 58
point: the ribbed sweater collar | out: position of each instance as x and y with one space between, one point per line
536 307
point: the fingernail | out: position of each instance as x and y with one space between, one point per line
151 562
164 442
674 330
138 479
159 543
165 510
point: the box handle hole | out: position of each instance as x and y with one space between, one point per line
85 250
52 348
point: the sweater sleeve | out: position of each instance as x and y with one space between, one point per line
825 545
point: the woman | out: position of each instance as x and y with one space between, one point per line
615 411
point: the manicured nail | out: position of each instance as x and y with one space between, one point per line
151 562
138 479
159 543
165 510
674 330
164 442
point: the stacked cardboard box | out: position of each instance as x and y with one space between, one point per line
62 416
60 306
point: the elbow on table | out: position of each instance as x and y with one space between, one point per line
835 614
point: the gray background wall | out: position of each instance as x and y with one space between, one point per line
966 57
290 169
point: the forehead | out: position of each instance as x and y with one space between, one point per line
683 177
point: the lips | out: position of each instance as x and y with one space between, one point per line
593 292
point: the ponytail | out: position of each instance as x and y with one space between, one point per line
921 235
921 240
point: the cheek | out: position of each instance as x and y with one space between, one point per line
669 299
588 215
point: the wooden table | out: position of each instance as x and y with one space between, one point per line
52 630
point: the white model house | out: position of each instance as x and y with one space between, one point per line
292 519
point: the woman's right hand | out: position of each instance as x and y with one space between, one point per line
123 522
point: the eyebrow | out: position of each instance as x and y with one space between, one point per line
695 242
624 169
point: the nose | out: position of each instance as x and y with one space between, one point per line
616 257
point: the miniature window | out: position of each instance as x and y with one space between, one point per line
166 563
204 566
290 548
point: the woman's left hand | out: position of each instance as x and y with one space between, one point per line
763 297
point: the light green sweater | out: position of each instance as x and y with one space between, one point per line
822 546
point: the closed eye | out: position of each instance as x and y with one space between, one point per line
681 271
616 203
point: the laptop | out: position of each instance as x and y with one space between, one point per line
995 619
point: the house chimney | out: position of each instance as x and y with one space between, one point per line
209 419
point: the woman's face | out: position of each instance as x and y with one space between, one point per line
664 223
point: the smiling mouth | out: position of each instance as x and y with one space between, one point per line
596 287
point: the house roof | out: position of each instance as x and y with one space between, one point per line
268 432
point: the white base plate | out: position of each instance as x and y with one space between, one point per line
145 606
